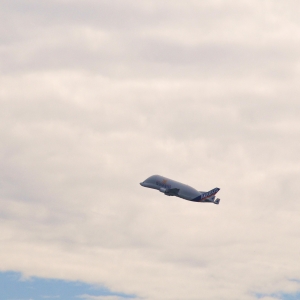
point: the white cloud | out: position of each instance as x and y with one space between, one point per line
88 297
96 96
269 298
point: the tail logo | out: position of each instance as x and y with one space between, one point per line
206 195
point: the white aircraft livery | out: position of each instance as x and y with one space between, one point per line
174 188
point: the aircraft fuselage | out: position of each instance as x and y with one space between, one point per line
174 188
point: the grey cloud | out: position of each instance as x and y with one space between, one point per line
96 96
166 58
65 43
107 14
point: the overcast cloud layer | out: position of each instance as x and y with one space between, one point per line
98 95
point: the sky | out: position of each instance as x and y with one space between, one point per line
96 96
14 286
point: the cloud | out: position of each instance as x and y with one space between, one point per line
97 96
268 298
88 297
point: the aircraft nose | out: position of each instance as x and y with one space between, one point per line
142 183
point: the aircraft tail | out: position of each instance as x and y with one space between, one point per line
206 195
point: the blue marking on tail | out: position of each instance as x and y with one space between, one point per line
206 195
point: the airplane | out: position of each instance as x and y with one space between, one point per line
174 188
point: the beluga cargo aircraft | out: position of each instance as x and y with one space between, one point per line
174 188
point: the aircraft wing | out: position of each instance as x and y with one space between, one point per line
172 192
